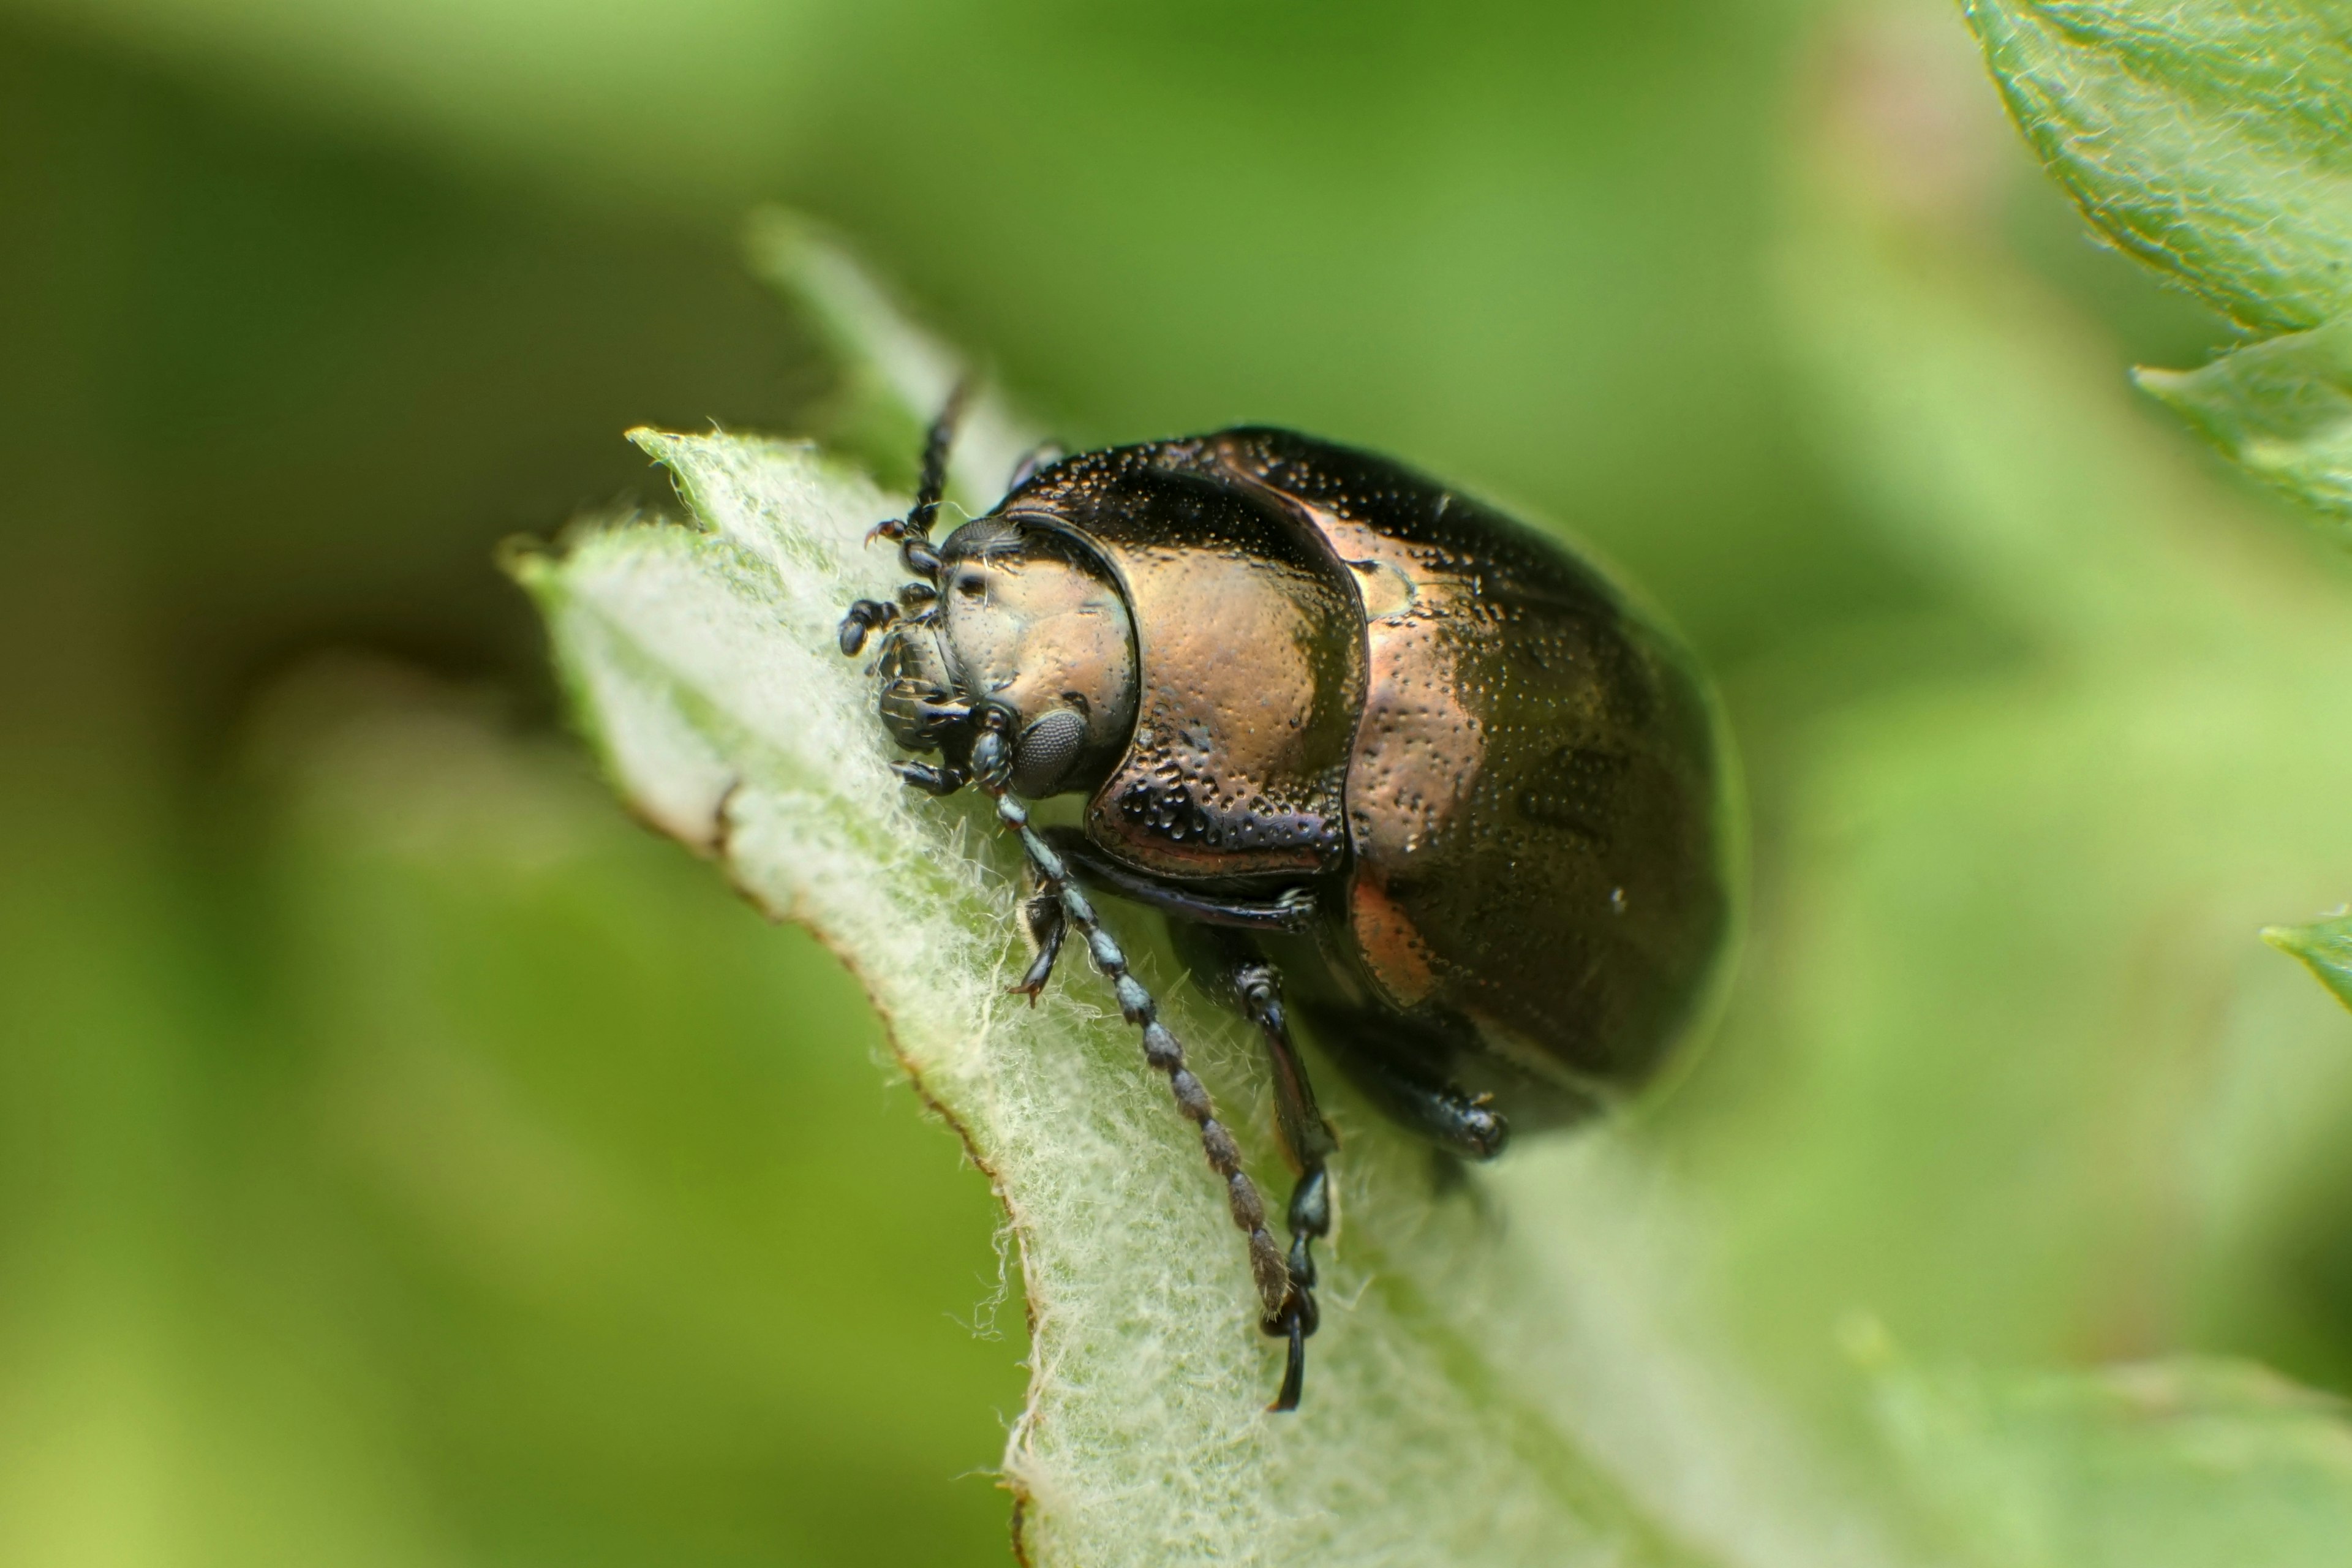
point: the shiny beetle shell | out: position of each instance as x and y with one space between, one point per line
1384 757
1503 782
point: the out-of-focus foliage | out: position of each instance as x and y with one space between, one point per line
2326 946
430 1184
2012 1071
2181 1465
2282 406
404 1159
2212 140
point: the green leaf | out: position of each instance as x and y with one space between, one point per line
2179 1464
2002 973
1514 1368
2212 140
1457 1392
2325 948
2282 408
2209 139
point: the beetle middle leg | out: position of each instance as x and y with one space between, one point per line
1291 910
1400 1066
1253 984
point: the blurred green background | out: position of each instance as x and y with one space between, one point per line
404 1158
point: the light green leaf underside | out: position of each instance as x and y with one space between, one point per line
2325 948
1482 1391
2184 1464
2210 139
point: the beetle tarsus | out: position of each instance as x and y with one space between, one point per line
1046 927
1307 1137
929 779
1294 1366
865 616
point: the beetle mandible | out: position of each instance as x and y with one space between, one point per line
1387 761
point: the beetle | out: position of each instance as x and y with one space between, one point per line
1388 762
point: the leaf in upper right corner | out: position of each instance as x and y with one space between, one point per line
2177 1464
2325 948
2211 139
2282 409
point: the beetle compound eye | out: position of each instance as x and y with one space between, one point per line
1047 749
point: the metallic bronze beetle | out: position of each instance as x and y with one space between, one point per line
1369 745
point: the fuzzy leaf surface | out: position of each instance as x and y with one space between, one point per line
1482 1391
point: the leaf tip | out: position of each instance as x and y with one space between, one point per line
526 558
2323 947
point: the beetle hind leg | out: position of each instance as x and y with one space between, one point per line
1255 987
1311 1142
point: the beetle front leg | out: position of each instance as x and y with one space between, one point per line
929 779
1046 927
1162 1051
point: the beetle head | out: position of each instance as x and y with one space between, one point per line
1027 626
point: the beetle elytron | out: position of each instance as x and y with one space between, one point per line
1384 758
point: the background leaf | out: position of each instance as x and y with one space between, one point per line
2209 139
2213 141
2173 1465
2281 407
2325 946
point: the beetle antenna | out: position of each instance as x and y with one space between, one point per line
1160 1049
913 531
937 443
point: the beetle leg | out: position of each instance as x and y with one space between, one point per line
929 779
864 616
1256 987
1290 910
1046 926
1380 1054
1160 1049
933 482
